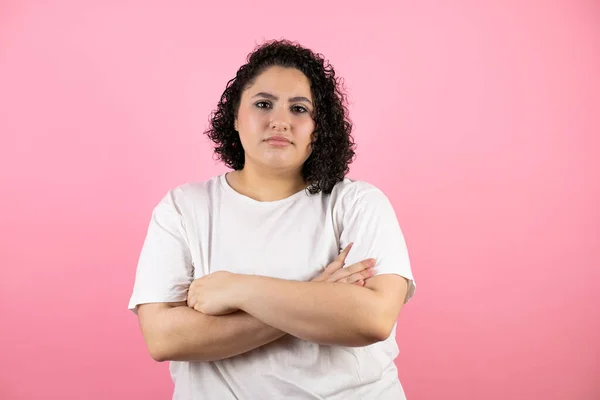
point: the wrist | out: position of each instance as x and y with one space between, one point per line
240 290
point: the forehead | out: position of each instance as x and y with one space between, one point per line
280 81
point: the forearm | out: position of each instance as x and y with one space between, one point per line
319 312
183 334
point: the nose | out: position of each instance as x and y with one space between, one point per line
279 122
279 126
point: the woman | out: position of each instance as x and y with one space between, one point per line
240 281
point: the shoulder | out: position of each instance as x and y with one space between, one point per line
353 192
187 196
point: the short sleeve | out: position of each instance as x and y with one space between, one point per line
370 222
164 270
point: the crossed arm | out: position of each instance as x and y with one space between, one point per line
176 332
239 313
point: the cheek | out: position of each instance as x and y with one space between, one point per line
305 132
250 121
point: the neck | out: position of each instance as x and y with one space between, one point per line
266 185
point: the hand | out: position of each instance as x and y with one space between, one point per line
212 294
354 274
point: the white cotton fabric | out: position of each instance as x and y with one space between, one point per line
202 227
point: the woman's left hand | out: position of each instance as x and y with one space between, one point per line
212 294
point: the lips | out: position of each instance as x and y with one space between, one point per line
278 141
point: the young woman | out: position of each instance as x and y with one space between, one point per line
281 279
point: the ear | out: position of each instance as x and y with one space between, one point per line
235 125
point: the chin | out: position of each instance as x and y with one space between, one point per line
277 161
279 165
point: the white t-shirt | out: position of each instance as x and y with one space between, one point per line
199 228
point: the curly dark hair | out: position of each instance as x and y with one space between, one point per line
332 142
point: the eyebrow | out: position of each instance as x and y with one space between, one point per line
275 98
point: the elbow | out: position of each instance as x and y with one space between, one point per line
373 335
382 329
383 333
158 352
159 348
158 355
367 335
377 327
158 331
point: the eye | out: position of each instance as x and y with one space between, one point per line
299 109
263 104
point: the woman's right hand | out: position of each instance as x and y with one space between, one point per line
354 274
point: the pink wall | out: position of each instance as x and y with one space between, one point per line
481 120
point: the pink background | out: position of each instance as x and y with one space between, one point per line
480 120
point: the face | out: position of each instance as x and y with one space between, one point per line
274 120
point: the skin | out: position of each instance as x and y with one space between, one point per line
171 329
278 103
318 312
231 310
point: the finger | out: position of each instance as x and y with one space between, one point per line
353 269
338 262
342 256
191 290
360 266
360 283
333 267
359 276
192 302
367 273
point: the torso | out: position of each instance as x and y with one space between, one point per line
293 239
